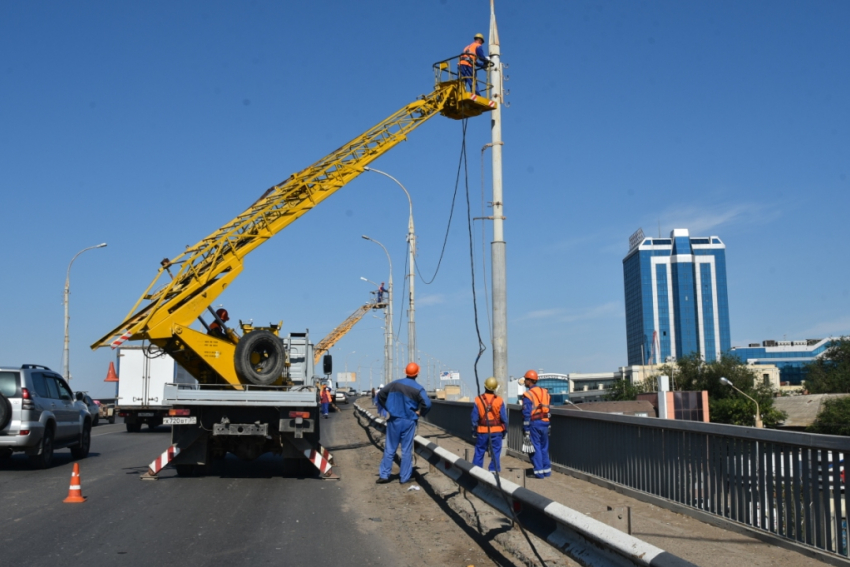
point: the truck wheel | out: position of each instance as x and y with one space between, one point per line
45 459
259 358
5 411
111 419
133 427
185 470
81 451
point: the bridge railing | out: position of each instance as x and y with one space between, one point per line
783 483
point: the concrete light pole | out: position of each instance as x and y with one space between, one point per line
66 355
411 239
727 382
497 247
388 324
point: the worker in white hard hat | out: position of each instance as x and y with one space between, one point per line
489 425
472 58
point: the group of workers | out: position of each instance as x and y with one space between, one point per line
404 401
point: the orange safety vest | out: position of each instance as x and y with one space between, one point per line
489 407
326 396
539 403
469 54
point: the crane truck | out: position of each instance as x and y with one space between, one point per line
256 392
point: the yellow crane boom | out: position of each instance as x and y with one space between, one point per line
166 309
340 331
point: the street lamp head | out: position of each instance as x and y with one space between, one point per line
102 245
364 237
725 381
364 279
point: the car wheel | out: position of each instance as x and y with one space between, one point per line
81 451
111 419
5 411
45 458
95 421
259 358
133 427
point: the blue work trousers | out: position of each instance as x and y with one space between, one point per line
467 73
540 439
399 432
325 408
481 448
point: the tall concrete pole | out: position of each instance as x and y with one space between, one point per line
66 369
497 247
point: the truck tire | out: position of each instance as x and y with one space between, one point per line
259 358
133 427
111 419
5 411
81 451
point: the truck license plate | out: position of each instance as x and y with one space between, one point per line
145 414
179 420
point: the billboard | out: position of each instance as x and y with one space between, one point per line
449 375
346 377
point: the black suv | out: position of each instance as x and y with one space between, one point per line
38 413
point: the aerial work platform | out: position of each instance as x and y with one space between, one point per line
472 96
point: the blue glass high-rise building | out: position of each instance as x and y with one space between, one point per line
676 300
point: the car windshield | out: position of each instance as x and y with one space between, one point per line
9 383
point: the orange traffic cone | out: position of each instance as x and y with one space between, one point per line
75 492
111 375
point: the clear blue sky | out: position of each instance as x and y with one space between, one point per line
149 125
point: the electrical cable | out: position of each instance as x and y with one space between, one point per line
482 348
451 213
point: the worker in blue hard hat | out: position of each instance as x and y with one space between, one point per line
472 58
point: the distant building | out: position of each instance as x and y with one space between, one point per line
676 298
791 357
802 411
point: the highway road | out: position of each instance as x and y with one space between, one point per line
244 513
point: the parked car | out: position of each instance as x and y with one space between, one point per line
94 408
340 397
39 414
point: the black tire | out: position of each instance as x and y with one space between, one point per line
133 427
5 411
45 459
154 424
259 358
95 421
111 419
81 451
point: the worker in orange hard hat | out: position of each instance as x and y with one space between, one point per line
535 425
472 58
216 327
404 400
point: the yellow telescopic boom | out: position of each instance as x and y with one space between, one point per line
201 272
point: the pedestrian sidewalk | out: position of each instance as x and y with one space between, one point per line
690 539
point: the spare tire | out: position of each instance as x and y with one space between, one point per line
259 358
5 411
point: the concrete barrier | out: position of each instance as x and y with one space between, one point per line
583 539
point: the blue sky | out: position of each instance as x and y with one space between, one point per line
147 126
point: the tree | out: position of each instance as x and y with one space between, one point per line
834 418
830 372
624 391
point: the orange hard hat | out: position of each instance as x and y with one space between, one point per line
222 314
412 370
531 375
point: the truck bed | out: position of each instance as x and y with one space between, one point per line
179 395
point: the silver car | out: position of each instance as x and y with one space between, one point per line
94 409
38 414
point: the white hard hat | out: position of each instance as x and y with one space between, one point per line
380 386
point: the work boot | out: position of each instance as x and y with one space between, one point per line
382 481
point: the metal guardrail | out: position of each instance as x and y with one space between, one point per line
588 541
787 484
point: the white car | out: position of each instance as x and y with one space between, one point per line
340 397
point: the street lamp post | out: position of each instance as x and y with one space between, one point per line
411 239
727 382
388 324
65 358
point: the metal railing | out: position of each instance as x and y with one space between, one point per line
779 482
448 70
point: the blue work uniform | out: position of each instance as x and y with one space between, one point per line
401 400
535 422
473 57
489 407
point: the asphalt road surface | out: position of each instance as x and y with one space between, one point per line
244 513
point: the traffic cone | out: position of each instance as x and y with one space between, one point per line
75 492
111 375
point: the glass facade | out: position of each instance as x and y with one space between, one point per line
790 359
676 298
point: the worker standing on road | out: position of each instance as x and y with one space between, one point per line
405 401
489 425
325 399
535 424
472 57
216 328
